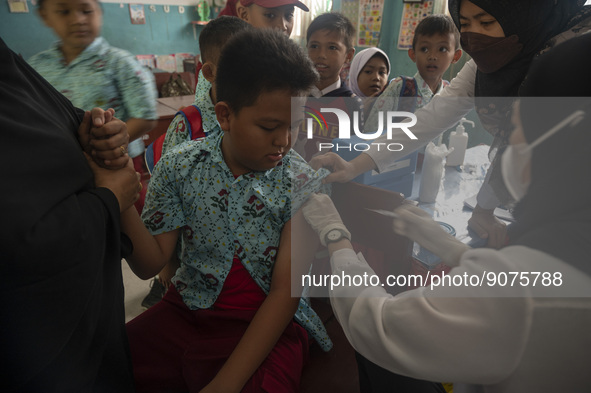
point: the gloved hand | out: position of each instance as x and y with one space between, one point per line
322 215
419 227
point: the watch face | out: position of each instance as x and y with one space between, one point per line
335 234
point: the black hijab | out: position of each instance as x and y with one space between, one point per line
534 22
555 214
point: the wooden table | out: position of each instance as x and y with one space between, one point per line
166 108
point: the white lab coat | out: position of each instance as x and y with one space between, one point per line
484 339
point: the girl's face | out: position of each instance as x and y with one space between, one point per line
280 18
373 77
76 22
474 19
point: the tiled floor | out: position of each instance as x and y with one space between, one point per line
135 291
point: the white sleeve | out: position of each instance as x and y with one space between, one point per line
442 113
461 334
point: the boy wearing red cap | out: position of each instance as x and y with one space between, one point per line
277 14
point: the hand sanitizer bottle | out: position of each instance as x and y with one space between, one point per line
432 172
458 140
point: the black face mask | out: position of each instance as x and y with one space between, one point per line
490 53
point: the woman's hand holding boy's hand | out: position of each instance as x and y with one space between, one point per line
124 183
419 227
105 138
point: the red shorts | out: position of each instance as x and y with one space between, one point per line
175 349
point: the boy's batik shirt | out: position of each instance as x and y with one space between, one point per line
178 130
388 100
219 216
101 76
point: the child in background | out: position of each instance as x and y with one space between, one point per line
276 14
330 45
211 41
368 76
329 39
435 46
228 324
91 73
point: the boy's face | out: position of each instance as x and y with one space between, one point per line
258 136
280 18
329 53
373 77
433 55
76 22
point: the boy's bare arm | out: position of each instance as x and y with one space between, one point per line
167 273
273 316
150 253
138 127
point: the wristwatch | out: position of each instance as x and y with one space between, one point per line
334 235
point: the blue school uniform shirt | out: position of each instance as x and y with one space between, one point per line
102 76
178 130
219 216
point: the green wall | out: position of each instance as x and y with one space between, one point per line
163 33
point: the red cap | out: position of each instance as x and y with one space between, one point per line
274 3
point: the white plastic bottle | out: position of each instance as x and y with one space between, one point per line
432 172
458 140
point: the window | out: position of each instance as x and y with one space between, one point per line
303 19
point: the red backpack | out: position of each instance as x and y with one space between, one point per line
192 116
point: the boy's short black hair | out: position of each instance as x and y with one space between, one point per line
261 60
216 33
436 24
333 21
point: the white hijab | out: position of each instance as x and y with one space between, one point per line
359 61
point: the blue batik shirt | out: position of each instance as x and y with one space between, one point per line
102 76
178 130
192 189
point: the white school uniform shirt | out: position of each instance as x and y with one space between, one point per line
317 93
468 335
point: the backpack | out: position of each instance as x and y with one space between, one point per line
409 89
192 116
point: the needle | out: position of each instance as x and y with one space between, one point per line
384 212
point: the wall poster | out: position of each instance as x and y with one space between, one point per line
370 22
412 14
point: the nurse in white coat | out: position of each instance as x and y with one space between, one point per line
478 331
502 37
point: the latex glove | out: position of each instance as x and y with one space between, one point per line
487 226
419 227
342 171
322 215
